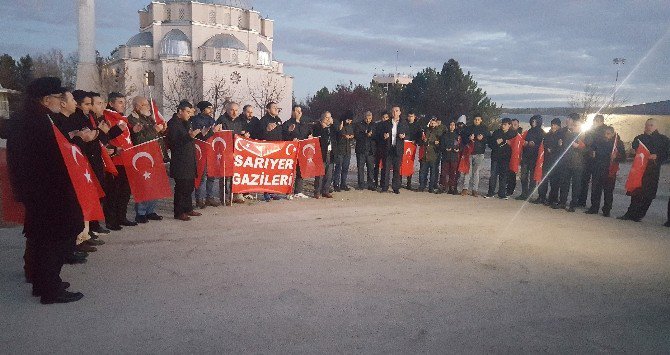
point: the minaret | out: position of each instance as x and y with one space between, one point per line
88 76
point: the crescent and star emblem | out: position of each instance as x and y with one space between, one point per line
288 148
147 175
199 151
310 158
75 151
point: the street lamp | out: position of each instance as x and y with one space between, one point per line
618 62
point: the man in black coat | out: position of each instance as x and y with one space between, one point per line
40 180
365 152
253 123
550 177
501 153
295 130
231 120
380 151
591 137
183 165
271 125
658 145
414 129
603 154
571 165
327 136
479 135
531 145
391 137
345 138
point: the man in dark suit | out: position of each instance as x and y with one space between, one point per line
391 137
183 165
324 130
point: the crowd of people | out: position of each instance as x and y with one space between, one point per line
575 163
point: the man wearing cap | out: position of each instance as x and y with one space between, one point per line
143 128
53 215
204 194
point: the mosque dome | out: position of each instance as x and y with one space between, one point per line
175 44
226 41
141 39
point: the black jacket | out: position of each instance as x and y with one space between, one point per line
183 161
450 146
276 134
657 144
39 177
501 151
237 125
480 145
365 144
343 146
386 145
327 137
603 153
552 147
300 130
535 135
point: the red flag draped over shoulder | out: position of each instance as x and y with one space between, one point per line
12 210
158 118
84 182
202 151
407 166
539 164
517 145
264 166
310 159
638 168
146 172
220 159
464 159
123 141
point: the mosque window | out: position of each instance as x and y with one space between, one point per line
168 14
182 14
212 17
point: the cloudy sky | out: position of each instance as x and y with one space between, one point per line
523 53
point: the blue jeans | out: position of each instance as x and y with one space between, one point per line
428 169
342 163
206 187
145 208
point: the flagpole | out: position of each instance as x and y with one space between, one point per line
225 184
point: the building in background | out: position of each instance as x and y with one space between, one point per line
200 50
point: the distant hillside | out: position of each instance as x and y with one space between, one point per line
655 108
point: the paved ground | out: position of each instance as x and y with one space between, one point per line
366 272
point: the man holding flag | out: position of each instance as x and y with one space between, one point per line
572 163
606 154
53 213
501 152
204 192
144 128
651 151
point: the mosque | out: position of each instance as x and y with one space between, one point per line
200 50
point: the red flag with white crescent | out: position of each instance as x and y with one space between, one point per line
12 210
262 166
614 165
409 152
123 141
638 168
539 164
107 161
517 145
220 161
464 160
202 151
310 159
157 114
146 172
84 182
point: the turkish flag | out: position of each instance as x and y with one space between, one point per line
464 161
107 161
517 145
310 159
262 166
202 151
407 166
220 161
123 141
84 182
614 165
12 210
539 163
157 115
146 172
640 163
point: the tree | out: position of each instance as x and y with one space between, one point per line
344 98
271 89
8 71
219 93
181 85
593 100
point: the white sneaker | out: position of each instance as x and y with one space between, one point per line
250 197
301 195
289 197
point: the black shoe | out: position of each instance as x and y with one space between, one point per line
538 201
503 197
142 219
63 286
521 198
667 224
113 227
63 297
336 189
381 191
624 218
419 189
92 235
155 217
558 206
591 211
100 230
360 188
396 192
75 258
571 209
346 188
128 223
95 242
606 213
371 188
488 196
